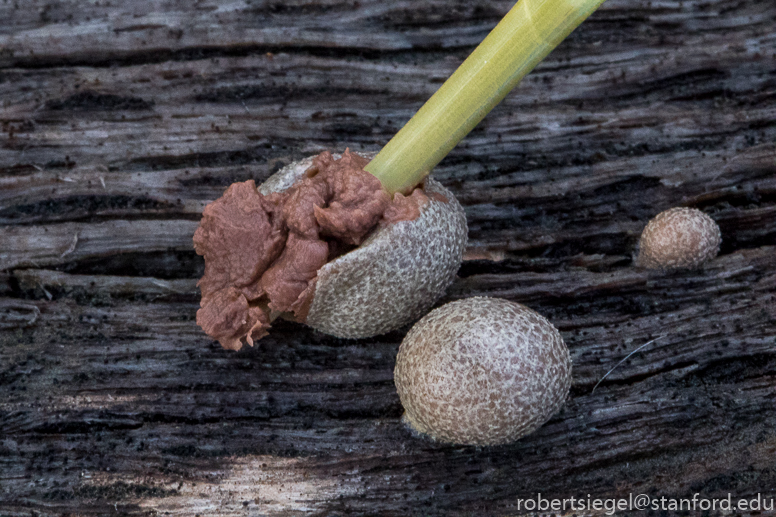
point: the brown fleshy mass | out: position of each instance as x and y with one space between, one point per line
289 276
241 216
228 317
405 208
357 200
263 252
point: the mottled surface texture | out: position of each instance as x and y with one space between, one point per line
121 120
678 238
396 274
481 371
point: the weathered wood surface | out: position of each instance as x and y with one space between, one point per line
121 120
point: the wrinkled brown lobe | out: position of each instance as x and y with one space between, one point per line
240 235
263 253
288 277
358 200
227 317
406 208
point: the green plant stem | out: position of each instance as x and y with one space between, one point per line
529 31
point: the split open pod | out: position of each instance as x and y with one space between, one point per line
394 269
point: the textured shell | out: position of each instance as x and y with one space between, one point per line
395 276
481 371
678 238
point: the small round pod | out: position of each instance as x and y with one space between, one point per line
678 238
481 371
396 275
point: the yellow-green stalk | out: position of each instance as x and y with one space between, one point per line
529 31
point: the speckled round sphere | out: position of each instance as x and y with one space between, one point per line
395 276
679 238
481 371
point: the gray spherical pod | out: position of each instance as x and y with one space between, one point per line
678 238
481 371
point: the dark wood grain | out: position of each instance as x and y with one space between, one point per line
121 120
